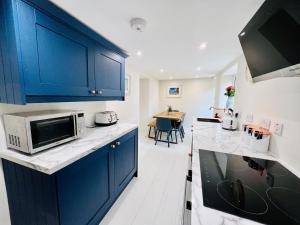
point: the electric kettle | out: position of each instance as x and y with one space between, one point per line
230 120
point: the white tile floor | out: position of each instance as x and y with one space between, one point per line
156 196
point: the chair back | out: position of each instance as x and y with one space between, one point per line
163 124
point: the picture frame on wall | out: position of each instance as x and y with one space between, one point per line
127 84
174 91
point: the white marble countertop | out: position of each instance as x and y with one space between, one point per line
54 159
210 136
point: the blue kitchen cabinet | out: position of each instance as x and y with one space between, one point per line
79 194
56 60
125 161
53 57
85 188
2 80
109 73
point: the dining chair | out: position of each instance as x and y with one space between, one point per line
177 128
178 125
163 125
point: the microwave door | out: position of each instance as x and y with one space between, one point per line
51 132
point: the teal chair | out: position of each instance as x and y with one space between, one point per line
164 125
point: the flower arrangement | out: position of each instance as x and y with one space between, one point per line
230 91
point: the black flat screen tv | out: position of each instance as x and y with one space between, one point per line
271 40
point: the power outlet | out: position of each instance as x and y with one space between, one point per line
277 128
265 123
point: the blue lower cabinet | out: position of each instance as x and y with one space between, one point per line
85 188
79 194
125 160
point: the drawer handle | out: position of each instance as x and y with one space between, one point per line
118 143
113 146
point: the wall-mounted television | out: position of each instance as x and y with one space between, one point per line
271 40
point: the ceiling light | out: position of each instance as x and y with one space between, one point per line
161 70
139 53
203 45
242 34
170 78
198 68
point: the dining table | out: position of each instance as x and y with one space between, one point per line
174 116
178 116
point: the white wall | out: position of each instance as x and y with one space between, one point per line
197 97
277 99
88 107
154 97
128 110
149 102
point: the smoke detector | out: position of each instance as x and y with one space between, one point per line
138 24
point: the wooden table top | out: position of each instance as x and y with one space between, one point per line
170 115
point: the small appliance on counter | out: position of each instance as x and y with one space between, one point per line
32 132
230 120
106 118
256 138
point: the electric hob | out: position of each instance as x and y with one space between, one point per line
252 188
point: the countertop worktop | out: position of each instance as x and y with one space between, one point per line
54 159
210 136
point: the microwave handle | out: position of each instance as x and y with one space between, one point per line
75 124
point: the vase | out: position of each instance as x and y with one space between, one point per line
229 102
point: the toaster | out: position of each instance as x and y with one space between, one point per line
106 118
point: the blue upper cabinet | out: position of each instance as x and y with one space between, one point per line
57 58
2 80
109 73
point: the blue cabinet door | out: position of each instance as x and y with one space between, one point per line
109 73
2 80
125 161
56 59
85 188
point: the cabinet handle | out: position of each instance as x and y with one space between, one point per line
118 143
93 92
113 146
99 92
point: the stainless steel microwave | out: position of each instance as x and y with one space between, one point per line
32 132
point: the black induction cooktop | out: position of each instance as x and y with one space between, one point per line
253 188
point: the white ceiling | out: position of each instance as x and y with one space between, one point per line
173 34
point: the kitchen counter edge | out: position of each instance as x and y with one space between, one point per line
46 162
